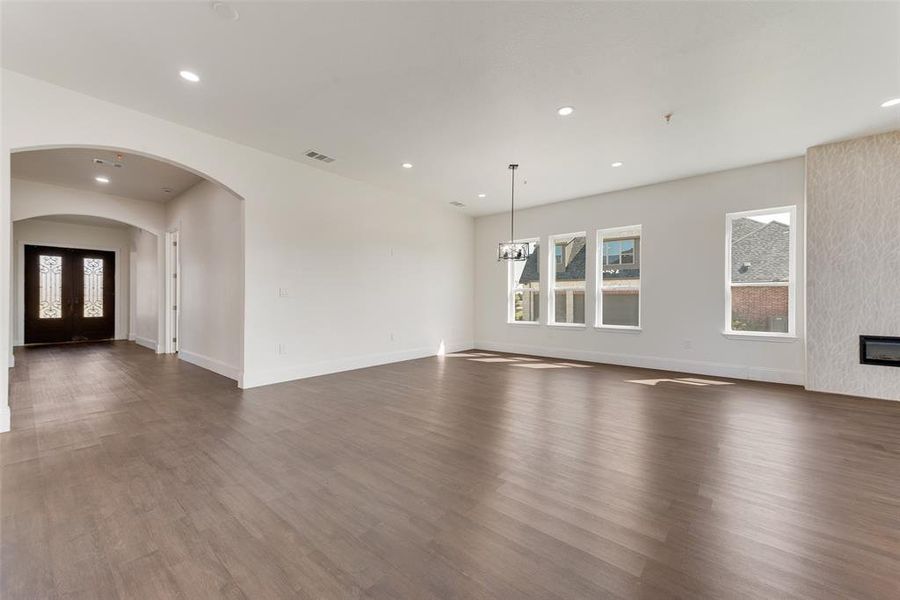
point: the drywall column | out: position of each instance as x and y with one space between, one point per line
853 258
5 287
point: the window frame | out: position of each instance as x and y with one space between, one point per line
791 283
598 304
551 282
512 288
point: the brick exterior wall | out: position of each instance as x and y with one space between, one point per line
757 303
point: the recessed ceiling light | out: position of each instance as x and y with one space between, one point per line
565 111
406 165
189 76
891 102
101 179
482 195
616 164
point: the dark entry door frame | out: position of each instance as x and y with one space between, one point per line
73 324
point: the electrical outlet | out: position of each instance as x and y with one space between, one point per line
282 349
392 336
688 344
282 292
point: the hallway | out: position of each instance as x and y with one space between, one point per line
135 475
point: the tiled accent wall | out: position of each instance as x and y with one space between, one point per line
853 262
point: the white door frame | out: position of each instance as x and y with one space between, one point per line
173 292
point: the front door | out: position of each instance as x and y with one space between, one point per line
69 294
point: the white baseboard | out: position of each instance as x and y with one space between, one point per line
131 337
4 418
302 371
147 343
12 360
211 364
654 362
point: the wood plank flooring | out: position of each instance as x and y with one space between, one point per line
132 475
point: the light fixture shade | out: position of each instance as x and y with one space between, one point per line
513 250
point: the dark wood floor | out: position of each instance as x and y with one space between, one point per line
131 475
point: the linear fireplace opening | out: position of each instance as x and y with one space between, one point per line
879 350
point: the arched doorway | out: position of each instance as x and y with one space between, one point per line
155 200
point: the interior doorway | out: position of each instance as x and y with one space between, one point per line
69 294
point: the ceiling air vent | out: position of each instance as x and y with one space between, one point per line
457 203
318 156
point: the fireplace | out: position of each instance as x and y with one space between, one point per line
879 350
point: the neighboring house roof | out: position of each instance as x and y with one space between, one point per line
531 272
760 252
575 270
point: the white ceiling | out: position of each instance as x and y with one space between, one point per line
462 89
139 177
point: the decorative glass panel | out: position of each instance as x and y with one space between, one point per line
93 287
50 287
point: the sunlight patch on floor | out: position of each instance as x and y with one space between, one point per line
529 362
683 380
494 359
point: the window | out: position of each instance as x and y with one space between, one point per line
567 295
50 287
93 287
619 277
525 286
760 266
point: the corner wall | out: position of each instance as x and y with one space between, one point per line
210 246
853 253
682 269
147 278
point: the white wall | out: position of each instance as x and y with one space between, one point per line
36 199
853 197
145 254
209 221
682 268
50 233
371 276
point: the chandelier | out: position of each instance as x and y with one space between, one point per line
512 250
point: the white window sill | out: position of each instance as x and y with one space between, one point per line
619 328
761 336
531 323
567 325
